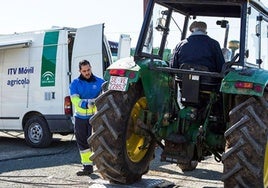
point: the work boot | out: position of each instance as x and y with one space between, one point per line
87 170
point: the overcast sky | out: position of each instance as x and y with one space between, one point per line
119 16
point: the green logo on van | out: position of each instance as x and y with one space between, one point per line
49 59
48 79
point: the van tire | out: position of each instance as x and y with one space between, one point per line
37 133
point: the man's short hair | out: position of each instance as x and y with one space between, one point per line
83 63
198 26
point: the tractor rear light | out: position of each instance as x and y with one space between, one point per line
117 72
258 88
132 75
68 106
244 85
249 85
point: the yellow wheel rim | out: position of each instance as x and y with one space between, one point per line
265 171
135 142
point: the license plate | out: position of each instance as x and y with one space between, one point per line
118 83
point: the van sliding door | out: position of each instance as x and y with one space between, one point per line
14 85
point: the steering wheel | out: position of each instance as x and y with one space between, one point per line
227 66
234 58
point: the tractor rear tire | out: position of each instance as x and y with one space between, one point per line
243 159
114 132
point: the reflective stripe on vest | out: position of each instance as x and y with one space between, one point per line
82 111
86 112
85 157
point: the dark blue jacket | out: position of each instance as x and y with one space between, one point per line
199 49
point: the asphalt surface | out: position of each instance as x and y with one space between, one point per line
24 167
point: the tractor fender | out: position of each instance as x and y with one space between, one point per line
155 84
254 79
128 65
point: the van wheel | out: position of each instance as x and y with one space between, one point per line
37 133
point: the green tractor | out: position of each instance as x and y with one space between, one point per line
189 112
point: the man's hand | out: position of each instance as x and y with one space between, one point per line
90 103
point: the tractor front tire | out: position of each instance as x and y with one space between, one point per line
188 167
246 139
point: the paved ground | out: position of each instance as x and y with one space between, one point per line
23 166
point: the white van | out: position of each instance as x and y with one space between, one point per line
36 69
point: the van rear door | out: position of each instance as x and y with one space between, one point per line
1 86
91 44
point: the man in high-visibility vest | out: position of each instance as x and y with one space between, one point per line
83 91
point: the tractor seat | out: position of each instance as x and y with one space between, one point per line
191 85
206 83
210 84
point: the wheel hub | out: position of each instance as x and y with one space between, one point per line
35 133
